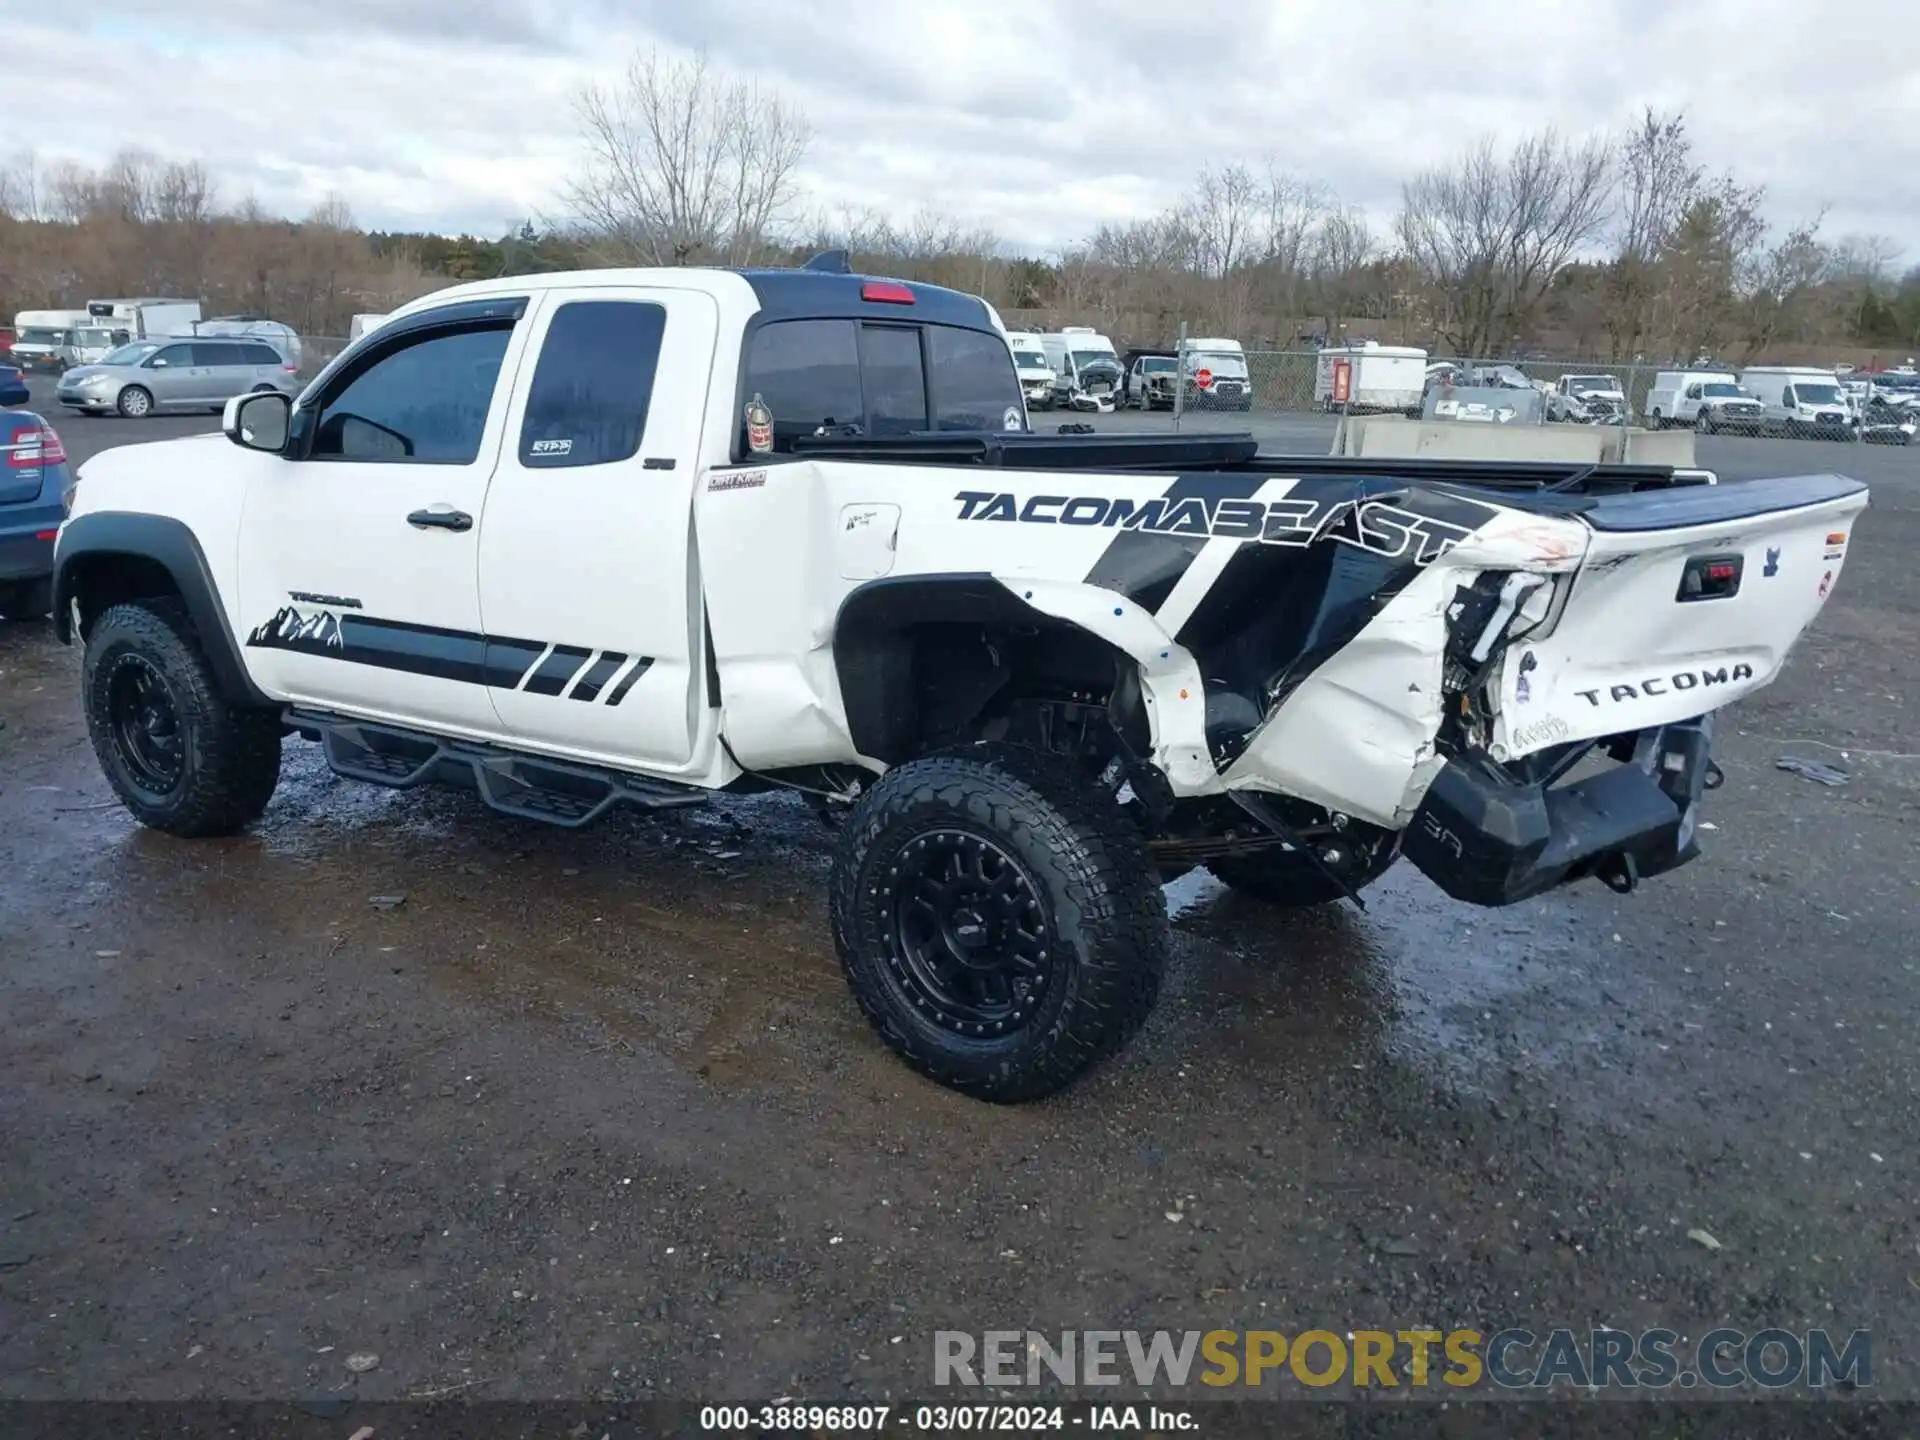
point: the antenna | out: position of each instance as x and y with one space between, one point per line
830 262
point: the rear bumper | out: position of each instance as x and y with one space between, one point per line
1490 839
23 555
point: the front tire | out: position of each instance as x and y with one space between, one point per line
999 920
135 403
180 757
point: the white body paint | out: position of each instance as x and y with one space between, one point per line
756 561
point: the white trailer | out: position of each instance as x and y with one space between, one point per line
1380 377
146 318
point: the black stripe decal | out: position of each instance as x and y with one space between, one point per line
557 669
620 691
1145 565
509 660
497 661
589 685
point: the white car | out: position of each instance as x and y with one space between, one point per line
637 537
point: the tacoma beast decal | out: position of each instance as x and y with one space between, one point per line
1375 524
460 655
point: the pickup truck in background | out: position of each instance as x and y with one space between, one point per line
1588 400
636 537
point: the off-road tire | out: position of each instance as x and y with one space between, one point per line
230 754
1287 879
26 600
134 409
1105 920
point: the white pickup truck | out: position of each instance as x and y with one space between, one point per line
636 537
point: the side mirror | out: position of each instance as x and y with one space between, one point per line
260 421
157 363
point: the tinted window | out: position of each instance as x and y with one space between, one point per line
588 403
176 355
808 372
216 352
254 353
893 380
974 384
426 403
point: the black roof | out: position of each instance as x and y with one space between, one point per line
823 294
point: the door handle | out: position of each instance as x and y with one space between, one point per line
440 517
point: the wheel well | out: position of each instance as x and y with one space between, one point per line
101 581
924 665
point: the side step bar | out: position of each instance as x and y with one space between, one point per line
559 792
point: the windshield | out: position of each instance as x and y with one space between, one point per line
37 336
1720 388
1030 360
1815 394
130 354
1587 384
93 339
1224 362
1156 365
1084 358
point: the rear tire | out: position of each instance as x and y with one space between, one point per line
180 757
999 920
1289 880
135 403
26 600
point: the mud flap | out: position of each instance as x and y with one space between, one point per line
1487 838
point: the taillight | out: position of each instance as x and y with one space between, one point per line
887 292
291 369
30 449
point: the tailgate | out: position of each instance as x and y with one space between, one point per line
1687 600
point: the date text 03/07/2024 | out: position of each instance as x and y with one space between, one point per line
946 1419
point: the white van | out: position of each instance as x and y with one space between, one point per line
1705 399
1036 373
1086 368
1215 370
43 339
1800 400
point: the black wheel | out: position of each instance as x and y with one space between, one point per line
135 403
999 920
26 600
1287 878
180 758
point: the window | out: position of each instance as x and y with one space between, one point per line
974 385
591 389
176 356
893 379
425 403
216 352
808 372
255 353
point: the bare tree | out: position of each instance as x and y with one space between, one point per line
684 165
1343 247
1291 206
1221 215
1658 180
1490 232
22 188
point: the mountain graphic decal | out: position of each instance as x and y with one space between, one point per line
315 634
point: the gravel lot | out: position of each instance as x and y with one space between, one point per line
592 1113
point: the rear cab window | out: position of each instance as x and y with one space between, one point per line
593 384
878 377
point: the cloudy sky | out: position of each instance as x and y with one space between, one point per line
1038 119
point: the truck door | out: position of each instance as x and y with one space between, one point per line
587 539
359 582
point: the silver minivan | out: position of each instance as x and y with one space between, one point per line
148 377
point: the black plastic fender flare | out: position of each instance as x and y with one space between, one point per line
92 543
